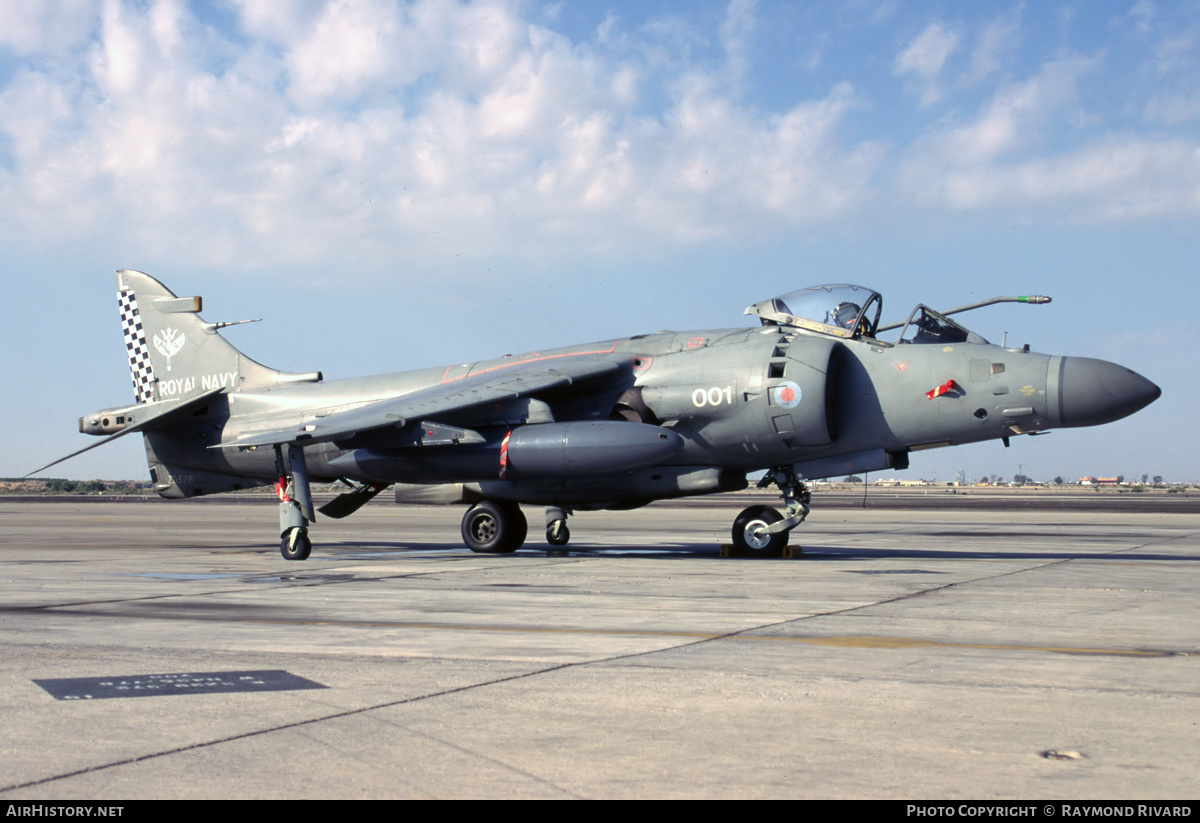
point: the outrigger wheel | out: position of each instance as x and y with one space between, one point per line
494 528
295 544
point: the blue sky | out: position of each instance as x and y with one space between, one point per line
398 185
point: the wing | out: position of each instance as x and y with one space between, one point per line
507 383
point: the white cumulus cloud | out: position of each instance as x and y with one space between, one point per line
337 133
922 61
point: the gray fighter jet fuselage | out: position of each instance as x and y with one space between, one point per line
813 392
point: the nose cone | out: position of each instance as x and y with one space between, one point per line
1092 392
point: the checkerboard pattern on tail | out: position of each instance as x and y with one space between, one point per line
140 368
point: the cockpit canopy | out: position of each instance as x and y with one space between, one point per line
853 311
927 326
841 310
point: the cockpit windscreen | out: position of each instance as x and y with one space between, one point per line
843 310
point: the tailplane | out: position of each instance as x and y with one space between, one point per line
173 354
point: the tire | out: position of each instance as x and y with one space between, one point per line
494 528
518 528
747 544
295 545
557 533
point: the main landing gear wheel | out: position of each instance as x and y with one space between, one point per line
557 533
295 544
750 538
494 528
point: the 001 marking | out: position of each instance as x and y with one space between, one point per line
712 397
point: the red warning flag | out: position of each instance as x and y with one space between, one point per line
504 453
942 389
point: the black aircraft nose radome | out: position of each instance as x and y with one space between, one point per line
1092 392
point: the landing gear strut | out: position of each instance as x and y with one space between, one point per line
761 531
494 528
295 504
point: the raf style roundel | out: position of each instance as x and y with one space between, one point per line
786 395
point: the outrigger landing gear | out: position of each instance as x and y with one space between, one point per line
295 504
557 533
761 531
494 528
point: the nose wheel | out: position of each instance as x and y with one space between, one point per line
761 531
750 535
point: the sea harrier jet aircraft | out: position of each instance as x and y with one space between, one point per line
814 391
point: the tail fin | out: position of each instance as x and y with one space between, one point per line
174 354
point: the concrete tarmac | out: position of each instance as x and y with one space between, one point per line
920 653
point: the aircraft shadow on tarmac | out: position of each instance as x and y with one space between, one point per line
365 550
863 554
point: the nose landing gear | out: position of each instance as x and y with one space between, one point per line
761 531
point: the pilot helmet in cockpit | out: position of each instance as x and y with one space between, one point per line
843 315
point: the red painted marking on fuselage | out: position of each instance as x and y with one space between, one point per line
504 453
